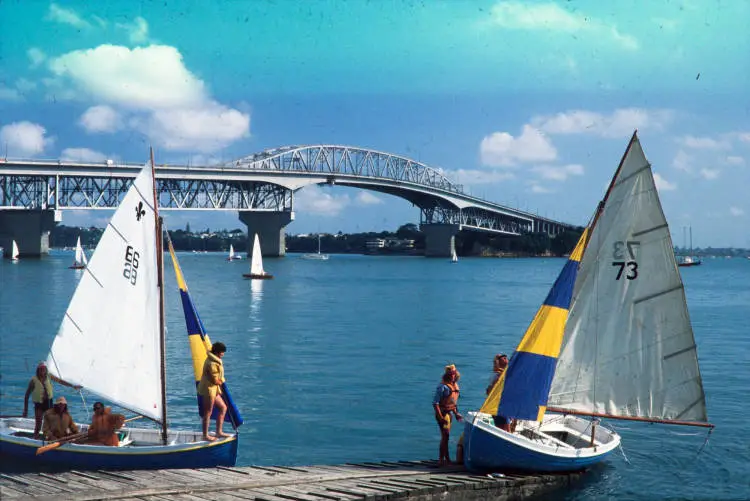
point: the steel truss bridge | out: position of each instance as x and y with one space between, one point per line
265 181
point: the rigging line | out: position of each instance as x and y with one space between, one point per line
705 442
622 450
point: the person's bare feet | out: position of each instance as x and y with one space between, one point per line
208 438
222 434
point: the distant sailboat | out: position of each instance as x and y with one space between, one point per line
79 262
454 256
688 260
256 263
14 252
612 340
232 256
319 256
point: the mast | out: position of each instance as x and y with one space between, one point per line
691 240
160 285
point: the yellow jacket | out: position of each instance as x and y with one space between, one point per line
211 377
37 395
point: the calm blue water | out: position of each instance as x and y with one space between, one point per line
336 361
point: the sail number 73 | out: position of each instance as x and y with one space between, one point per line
626 265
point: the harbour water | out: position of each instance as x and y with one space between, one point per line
336 361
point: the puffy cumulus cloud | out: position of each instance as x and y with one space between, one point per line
473 177
704 143
551 17
66 16
620 123
558 172
24 139
316 200
501 149
153 92
142 78
682 161
709 173
736 212
36 56
137 30
100 119
367 198
662 184
82 155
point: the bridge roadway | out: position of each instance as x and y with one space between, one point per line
260 187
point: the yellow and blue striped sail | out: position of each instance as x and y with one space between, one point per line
522 390
200 345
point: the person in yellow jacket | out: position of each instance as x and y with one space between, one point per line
209 390
41 392
58 422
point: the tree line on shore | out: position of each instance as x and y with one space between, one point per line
468 243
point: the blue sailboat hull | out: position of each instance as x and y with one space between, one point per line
488 449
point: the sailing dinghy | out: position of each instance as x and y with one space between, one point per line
14 251
111 342
454 256
612 340
79 262
232 255
256 263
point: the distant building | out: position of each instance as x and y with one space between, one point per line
386 245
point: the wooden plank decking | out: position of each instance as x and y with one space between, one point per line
412 480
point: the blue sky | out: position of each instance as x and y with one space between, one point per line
527 103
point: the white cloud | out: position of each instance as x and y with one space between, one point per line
537 188
662 184
24 85
744 137
501 149
100 119
704 143
620 123
154 92
82 155
558 172
736 212
36 56
316 200
472 177
682 161
137 30
550 17
24 139
709 173
367 198
734 160
66 16
9 94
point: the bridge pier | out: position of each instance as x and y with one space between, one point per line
269 225
29 228
440 239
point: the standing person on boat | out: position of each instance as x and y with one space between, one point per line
42 393
57 421
445 402
499 364
103 425
209 389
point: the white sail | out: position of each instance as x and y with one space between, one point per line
454 256
14 250
80 255
231 251
108 341
628 347
256 264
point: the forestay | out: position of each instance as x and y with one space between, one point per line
628 347
108 341
256 263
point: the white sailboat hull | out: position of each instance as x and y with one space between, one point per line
561 443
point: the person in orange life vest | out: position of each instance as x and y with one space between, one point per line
445 402
209 388
499 364
42 393
103 425
58 422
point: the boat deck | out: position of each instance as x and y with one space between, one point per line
414 480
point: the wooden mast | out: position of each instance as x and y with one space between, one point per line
160 285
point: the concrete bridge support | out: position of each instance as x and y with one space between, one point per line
440 239
29 228
269 225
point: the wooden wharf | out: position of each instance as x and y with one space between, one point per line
406 480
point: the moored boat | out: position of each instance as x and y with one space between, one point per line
79 262
256 263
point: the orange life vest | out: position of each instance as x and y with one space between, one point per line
450 402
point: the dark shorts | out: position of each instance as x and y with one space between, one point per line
43 406
500 421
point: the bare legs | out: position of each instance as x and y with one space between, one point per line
218 402
445 458
38 415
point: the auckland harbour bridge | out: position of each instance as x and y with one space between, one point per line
261 187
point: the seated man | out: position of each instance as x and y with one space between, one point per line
103 426
57 421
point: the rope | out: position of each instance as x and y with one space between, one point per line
705 442
86 407
622 450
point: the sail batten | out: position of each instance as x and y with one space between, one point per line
628 319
